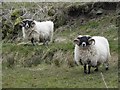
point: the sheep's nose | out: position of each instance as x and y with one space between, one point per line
83 44
27 26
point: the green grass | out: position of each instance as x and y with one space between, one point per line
58 77
29 55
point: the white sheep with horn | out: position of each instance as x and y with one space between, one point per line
38 31
91 51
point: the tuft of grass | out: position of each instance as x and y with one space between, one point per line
33 55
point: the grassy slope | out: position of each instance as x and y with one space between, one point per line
45 75
60 77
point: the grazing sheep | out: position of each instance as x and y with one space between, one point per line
91 51
38 31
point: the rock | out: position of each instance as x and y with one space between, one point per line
99 12
51 12
60 39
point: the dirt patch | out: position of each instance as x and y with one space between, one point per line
114 59
61 39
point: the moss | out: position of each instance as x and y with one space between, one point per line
78 9
51 11
16 13
118 21
18 20
6 29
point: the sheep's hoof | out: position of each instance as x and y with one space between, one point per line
85 72
88 72
76 64
33 44
107 68
96 69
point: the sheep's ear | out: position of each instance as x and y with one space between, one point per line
91 41
76 41
89 37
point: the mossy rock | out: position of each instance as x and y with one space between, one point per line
60 19
51 12
75 10
72 10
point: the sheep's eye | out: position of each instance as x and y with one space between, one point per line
78 38
24 21
32 22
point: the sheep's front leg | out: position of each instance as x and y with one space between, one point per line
23 32
75 63
89 69
32 41
85 69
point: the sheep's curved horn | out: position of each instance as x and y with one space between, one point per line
91 41
76 41
21 23
32 23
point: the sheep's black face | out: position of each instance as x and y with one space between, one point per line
27 23
84 41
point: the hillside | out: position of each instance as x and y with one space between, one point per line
49 66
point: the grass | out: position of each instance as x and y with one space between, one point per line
58 77
29 55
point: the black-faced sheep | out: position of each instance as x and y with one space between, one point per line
91 51
38 31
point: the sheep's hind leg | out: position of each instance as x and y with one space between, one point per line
51 37
45 43
106 64
85 70
89 69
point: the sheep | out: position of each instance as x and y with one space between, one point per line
91 51
38 31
